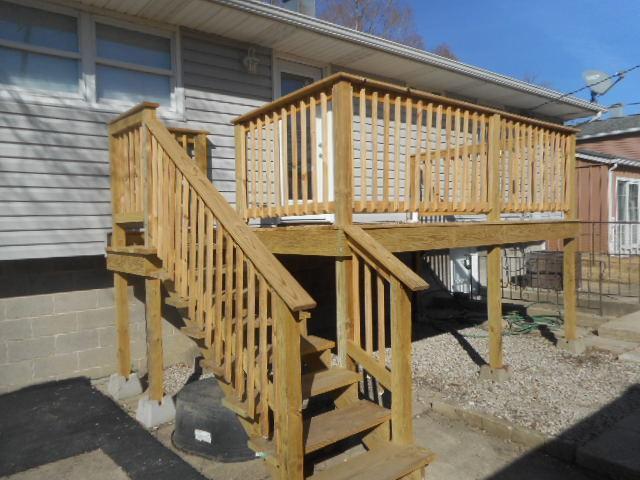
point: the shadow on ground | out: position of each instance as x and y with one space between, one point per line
53 421
606 444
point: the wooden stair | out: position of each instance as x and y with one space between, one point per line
388 463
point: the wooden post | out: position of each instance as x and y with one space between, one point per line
342 98
401 382
570 251
290 442
494 253
200 152
121 298
494 306
241 170
155 364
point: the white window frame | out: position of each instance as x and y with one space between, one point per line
87 41
624 230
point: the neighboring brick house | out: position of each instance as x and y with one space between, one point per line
608 160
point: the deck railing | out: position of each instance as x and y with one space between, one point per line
407 151
242 302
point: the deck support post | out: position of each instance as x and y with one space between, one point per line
155 364
496 369
342 104
290 442
571 342
121 298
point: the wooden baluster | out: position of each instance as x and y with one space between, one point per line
200 152
285 160
263 354
295 178
268 128
381 318
415 194
428 201
466 166
260 203
184 248
251 339
219 270
355 292
474 165
304 181
277 161
313 111
191 255
362 114
239 316
397 118
408 123
438 194
200 282
326 155
209 277
155 365
228 309
368 310
457 177
385 153
374 157
484 163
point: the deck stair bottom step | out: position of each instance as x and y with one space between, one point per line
390 462
331 427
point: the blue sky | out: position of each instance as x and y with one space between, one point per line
553 40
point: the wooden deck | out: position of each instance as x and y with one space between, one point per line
346 148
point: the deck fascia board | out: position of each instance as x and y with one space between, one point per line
324 240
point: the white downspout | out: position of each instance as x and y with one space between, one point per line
612 198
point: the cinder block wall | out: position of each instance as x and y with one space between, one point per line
57 320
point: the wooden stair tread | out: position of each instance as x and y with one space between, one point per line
336 425
193 331
310 344
317 383
390 462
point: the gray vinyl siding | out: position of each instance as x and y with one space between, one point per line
54 169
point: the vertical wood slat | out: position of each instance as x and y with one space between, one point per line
303 158
374 152
295 176
251 340
408 184
313 112
325 150
362 112
397 117
385 153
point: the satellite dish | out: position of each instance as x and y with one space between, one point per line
600 82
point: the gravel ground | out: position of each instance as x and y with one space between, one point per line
550 390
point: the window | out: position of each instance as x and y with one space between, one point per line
132 66
38 50
96 59
628 200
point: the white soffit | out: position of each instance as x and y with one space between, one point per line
255 22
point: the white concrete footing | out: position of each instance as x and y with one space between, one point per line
495 374
152 413
577 346
121 387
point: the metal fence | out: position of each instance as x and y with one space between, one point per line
608 270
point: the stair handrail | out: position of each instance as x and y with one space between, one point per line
375 273
276 275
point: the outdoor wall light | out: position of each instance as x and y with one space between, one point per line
251 62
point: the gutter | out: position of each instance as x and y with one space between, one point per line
330 29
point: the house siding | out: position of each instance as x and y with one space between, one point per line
627 146
54 163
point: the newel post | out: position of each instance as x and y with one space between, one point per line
496 370
401 378
241 170
288 397
342 108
